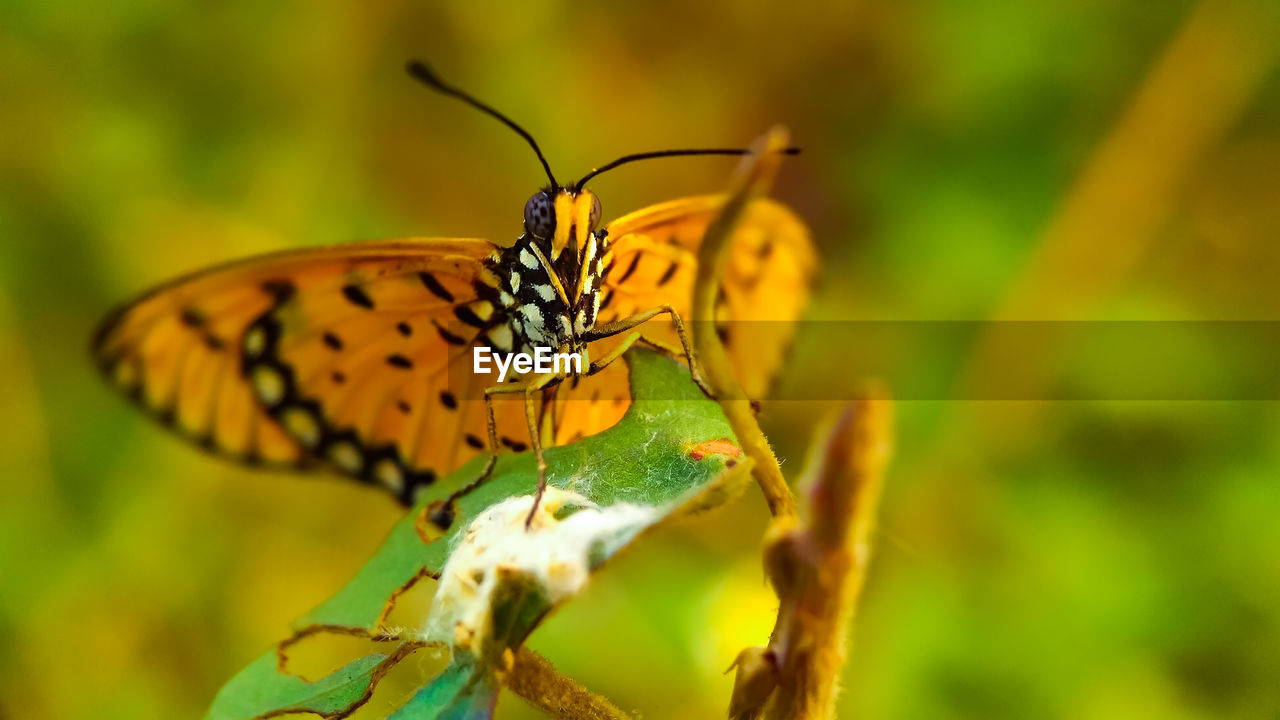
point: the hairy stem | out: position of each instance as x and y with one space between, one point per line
751 181
535 679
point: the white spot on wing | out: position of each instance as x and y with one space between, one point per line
255 341
388 473
269 385
500 337
302 425
346 456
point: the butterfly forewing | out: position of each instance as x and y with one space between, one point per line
380 387
315 353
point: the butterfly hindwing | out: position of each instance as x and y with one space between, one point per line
765 286
653 261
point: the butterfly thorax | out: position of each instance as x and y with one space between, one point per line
551 277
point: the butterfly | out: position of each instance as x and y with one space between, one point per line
358 359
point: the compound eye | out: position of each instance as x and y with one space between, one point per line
595 211
540 216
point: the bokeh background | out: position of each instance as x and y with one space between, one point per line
1083 160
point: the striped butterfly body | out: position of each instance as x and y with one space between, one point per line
357 359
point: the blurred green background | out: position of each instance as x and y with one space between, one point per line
1083 160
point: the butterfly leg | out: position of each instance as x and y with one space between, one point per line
640 318
662 347
532 388
605 360
443 516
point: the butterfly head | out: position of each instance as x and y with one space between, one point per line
561 218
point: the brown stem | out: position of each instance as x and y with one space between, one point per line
535 679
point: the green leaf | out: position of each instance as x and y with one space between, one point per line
452 696
670 452
259 689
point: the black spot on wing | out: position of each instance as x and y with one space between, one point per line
399 361
468 316
474 441
432 284
448 400
515 445
193 318
281 290
670 273
333 341
631 268
357 296
404 329
198 322
448 336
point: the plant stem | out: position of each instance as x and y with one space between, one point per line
752 180
535 679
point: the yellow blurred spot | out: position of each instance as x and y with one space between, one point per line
741 613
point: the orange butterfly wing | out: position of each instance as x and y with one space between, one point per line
655 255
355 357
340 355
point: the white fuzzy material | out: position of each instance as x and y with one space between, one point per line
555 554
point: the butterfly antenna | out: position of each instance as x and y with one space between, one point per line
425 75
670 153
